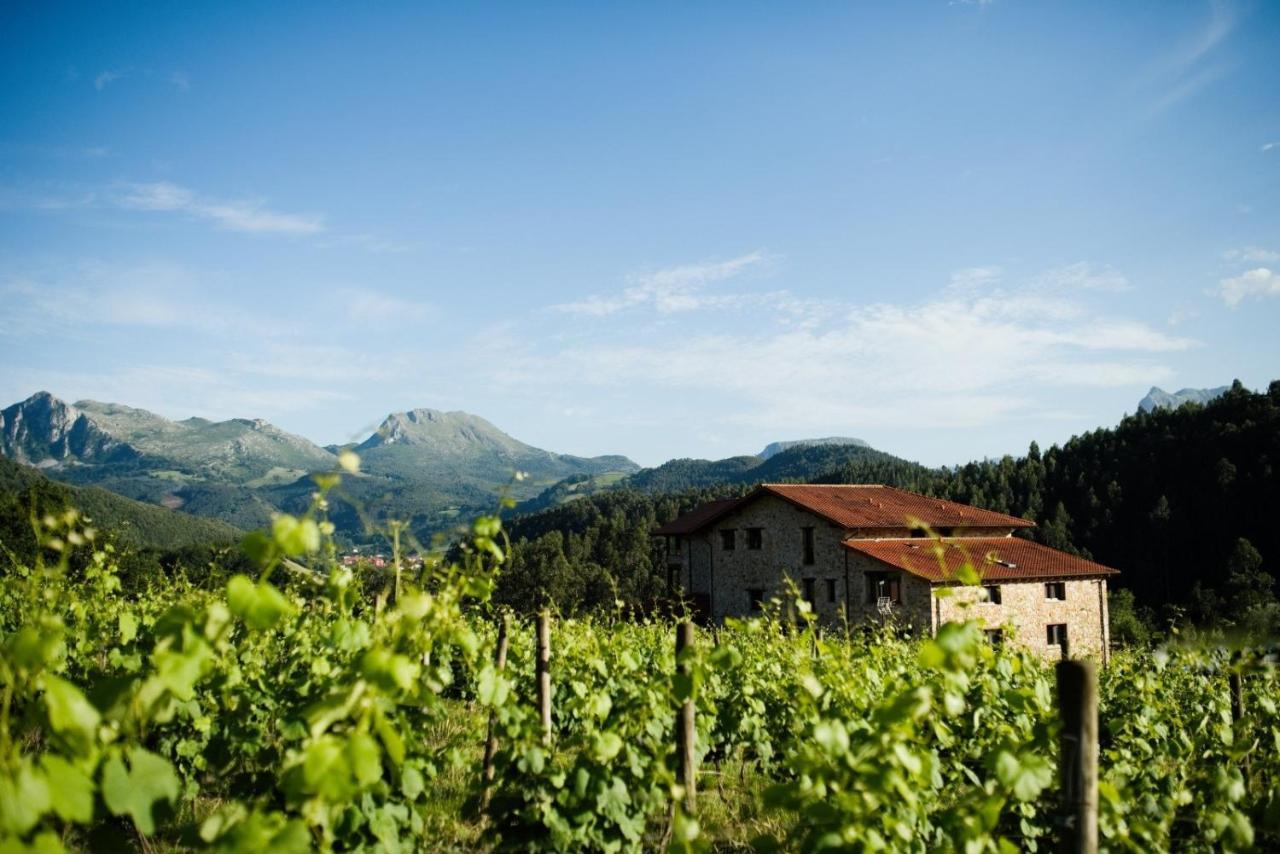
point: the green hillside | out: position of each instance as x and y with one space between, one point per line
132 524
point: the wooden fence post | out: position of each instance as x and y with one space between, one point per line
1237 689
1235 684
544 673
686 758
491 742
1078 754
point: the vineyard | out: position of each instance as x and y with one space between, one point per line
316 708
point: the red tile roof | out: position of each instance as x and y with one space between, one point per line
703 514
995 558
875 506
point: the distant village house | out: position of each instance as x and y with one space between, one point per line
876 553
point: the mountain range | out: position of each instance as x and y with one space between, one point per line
424 466
427 467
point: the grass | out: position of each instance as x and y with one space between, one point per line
729 806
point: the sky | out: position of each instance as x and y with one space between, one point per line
656 229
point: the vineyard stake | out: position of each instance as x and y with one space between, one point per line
686 731
1078 754
1235 684
1237 689
544 673
491 742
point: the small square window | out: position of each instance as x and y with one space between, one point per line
755 598
755 538
995 636
1055 590
808 590
831 590
1056 634
991 594
728 539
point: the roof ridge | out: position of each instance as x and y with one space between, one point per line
835 485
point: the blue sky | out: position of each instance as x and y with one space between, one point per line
663 230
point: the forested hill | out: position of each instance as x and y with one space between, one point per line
131 524
1165 497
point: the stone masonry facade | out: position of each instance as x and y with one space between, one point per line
768 536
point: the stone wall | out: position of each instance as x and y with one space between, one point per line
726 577
1025 613
915 609
781 555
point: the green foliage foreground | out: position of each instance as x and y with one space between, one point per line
292 711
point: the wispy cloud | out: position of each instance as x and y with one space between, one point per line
367 307
971 354
157 295
1268 146
246 215
1258 282
1190 67
176 391
671 289
107 77
180 80
1252 254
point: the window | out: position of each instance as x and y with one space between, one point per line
755 538
831 590
728 539
883 584
1056 634
994 636
755 598
1055 590
673 545
808 546
991 592
808 590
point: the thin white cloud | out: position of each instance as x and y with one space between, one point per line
969 355
367 307
326 363
1258 282
1252 254
107 77
176 391
243 215
672 289
180 80
153 295
1268 146
1187 69
1081 276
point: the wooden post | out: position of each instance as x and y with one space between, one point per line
491 742
1078 754
1237 696
686 758
1235 684
544 673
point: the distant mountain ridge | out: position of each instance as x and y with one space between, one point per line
1158 398
425 466
49 433
774 448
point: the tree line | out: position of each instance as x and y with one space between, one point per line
1182 501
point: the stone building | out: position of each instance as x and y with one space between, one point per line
875 553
